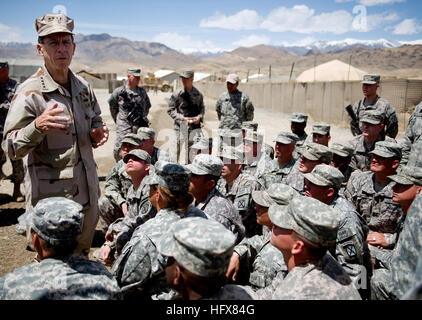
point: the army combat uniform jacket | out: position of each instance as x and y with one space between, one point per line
233 109
7 91
272 173
413 133
117 184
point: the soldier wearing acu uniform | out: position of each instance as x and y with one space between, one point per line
7 91
202 145
129 108
198 252
186 108
372 195
238 187
313 274
147 136
257 255
321 133
256 160
233 106
298 122
56 223
342 156
205 172
253 126
413 133
53 123
372 101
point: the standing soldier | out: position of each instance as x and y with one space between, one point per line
129 107
7 90
186 107
372 101
413 133
233 107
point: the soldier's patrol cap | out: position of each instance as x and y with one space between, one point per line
321 128
277 193
139 153
250 125
342 149
173 176
325 176
408 175
253 136
387 149
206 164
202 144
132 138
187 74
57 220
202 246
299 117
232 153
136 72
371 79
372 117
4 64
232 78
286 137
145 133
309 218
53 23
316 152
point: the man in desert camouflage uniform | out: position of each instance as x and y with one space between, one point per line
309 226
53 123
186 108
372 195
198 252
233 106
205 172
342 156
55 225
238 187
413 133
257 255
129 108
7 91
372 131
321 133
298 121
351 250
372 101
276 170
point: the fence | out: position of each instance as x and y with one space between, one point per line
323 101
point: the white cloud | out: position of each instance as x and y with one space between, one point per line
407 27
377 20
9 34
243 20
185 44
252 40
370 3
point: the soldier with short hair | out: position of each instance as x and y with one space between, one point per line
298 121
372 101
55 224
129 108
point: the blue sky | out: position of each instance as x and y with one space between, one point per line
223 25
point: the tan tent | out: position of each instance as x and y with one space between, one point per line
334 70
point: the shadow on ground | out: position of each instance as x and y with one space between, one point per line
9 214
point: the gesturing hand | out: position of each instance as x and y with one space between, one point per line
99 135
49 121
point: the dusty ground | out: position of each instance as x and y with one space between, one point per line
12 245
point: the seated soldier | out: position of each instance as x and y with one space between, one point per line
321 133
252 126
198 252
205 172
298 122
56 224
257 255
342 156
255 160
202 145
147 136
304 231
312 155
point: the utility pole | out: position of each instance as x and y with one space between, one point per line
291 71
350 63
269 73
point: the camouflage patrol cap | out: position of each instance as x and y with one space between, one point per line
187 74
325 176
408 175
206 164
321 128
232 153
202 144
57 220
232 78
387 149
316 152
202 246
136 72
145 133
254 136
299 117
285 137
173 176
372 117
132 138
342 149
4 64
53 23
371 79
277 193
250 125
138 153
309 218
